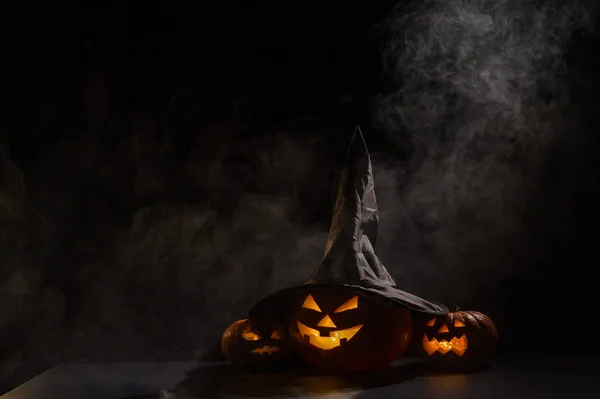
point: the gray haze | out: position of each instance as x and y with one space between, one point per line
483 93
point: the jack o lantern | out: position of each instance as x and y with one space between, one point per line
339 329
349 315
459 341
256 344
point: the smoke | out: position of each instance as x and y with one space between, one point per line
482 90
184 270
125 246
149 224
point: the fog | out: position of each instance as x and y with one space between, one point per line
122 241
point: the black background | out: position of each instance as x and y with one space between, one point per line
193 81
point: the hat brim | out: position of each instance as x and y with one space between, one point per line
276 306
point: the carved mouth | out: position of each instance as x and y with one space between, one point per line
456 345
266 349
333 340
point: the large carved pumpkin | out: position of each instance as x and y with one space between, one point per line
459 341
340 329
255 344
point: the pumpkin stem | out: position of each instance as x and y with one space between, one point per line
454 308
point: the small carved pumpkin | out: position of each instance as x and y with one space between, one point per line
459 341
339 329
256 344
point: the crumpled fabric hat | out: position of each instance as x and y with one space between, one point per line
350 258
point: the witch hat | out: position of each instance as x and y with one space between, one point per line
350 258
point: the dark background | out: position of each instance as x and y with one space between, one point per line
162 168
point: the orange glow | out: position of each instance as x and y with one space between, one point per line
348 305
250 336
443 329
456 345
309 303
330 342
458 323
326 322
277 334
430 323
266 349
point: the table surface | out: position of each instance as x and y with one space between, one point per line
534 377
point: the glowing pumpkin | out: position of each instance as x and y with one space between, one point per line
461 340
339 329
255 344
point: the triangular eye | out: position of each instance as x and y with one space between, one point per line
309 303
430 323
458 323
250 335
277 334
348 305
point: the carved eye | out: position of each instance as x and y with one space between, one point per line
458 323
309 303
348 305
431 323
443 329
277 334
250 336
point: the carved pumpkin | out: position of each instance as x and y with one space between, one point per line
339 329
461 340
255 344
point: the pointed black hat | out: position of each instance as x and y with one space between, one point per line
350 258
